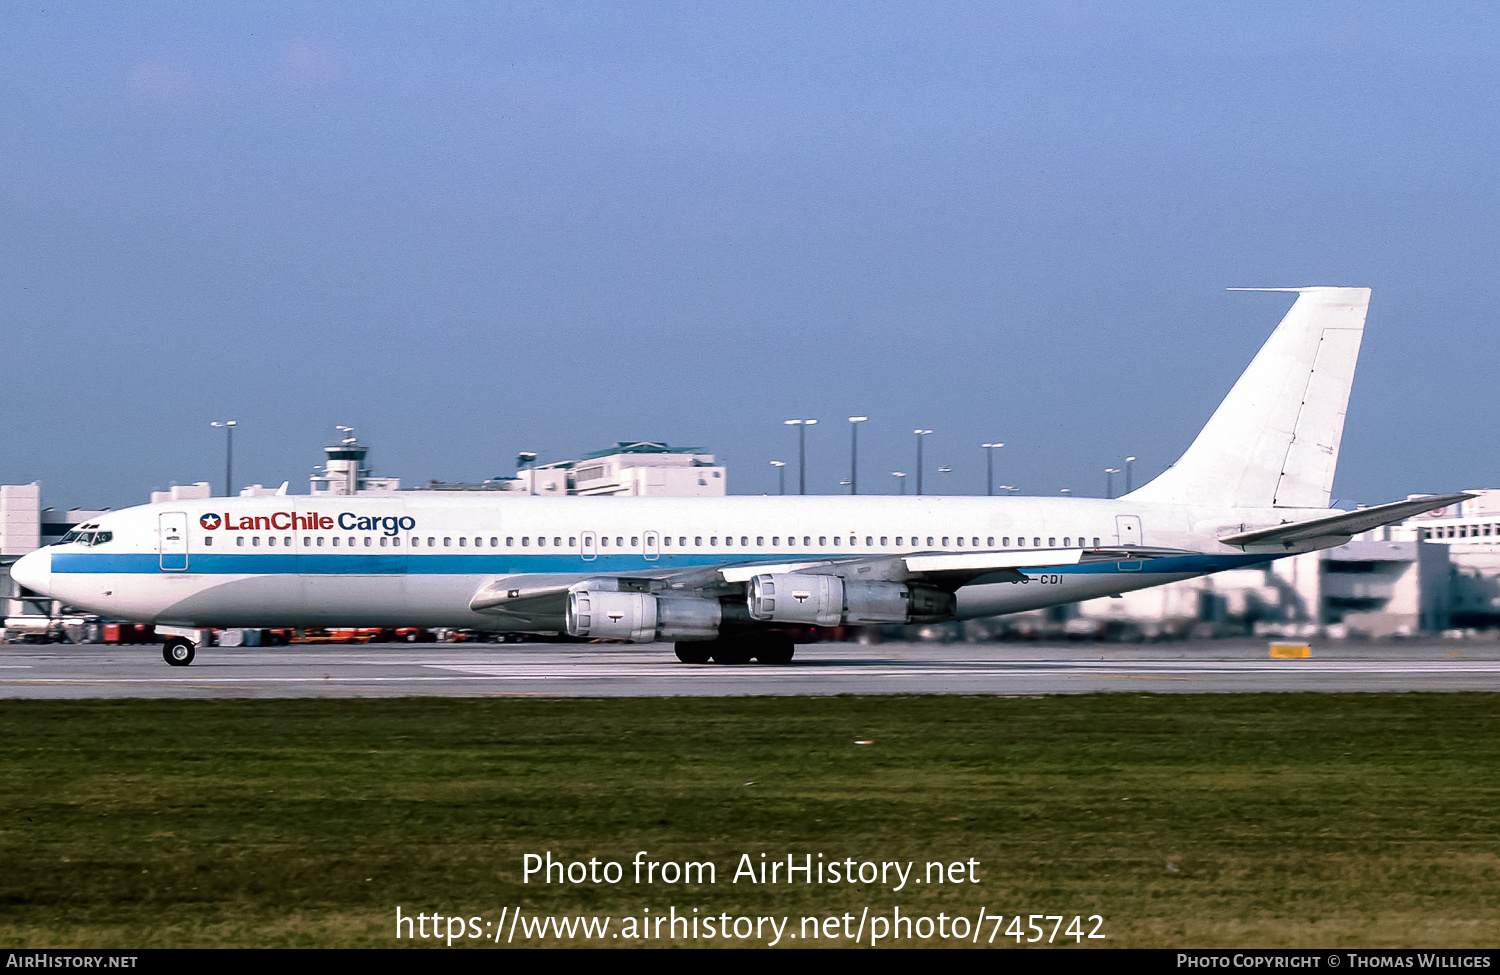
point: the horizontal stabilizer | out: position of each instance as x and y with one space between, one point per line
1343 522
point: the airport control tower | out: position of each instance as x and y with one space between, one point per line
344 474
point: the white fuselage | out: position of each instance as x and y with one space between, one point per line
417 559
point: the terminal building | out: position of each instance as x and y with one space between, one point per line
644 467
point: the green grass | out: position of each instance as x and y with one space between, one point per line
1289 820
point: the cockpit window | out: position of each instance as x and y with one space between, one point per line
85 537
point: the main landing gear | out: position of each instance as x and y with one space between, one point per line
768 648
178 651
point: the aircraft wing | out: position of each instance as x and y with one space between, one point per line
538 601
951 568
1342 523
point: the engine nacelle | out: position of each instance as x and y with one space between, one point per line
823 600
641 617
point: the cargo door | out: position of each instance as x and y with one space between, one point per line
172 541
1128 528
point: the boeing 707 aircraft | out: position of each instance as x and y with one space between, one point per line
726 579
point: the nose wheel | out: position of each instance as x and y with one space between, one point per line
178 652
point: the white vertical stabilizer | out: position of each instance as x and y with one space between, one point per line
1274 441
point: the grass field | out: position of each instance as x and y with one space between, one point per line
1214 820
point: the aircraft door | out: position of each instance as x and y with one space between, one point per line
1128 529
172 543
653 546
588 547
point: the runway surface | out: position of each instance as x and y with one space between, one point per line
602 670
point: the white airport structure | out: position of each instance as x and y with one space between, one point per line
643 468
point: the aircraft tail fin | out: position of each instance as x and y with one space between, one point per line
1274 441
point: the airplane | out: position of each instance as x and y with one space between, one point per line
732 579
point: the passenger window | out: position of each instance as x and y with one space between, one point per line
698 541
806 539
775 541
510 540
240 540
882 539
271 541
555 541
960 541
1005 542
666 541
945 541
1096 541
898 541
604 541
681 540
367 541
714 541
870 540
822 540
791 540
1036 542
1052 543
1020 543
728 539
760 540
619 541
836 541
572 540
396 541
208 542
255 542
744 540
382 541
989 542
463 542
1067 543
525 541
976 541
929 540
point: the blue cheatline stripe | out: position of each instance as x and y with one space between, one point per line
570 564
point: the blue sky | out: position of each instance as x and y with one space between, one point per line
470 230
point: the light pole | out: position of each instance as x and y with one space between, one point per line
1109 481
854 422
920 434
780 466
900 477
989 467
801 426
228 426
1128 461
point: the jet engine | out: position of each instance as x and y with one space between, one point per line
825 600
641 617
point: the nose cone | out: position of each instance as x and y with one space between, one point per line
34 571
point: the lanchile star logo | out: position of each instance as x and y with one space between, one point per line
209 521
